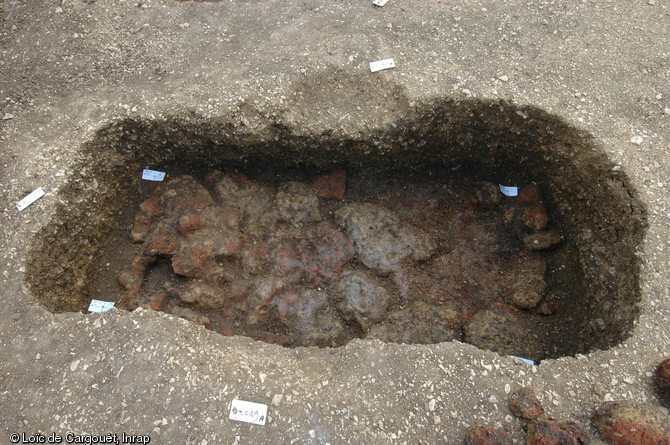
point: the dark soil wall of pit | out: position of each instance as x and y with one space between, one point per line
601 219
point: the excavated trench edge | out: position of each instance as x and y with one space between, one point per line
496 141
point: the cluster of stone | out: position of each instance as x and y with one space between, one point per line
618 423
299 265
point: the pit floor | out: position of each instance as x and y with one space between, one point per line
476 261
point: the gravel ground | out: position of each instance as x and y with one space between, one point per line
69 67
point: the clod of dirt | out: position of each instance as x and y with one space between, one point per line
527 292
487 435
312 320
632 423
541 240
501 331
529 193
317 253
528 288
331 185
362 300
200 295
421 322
297 204
549 432
524 404
190 315
381 240
486 196
528 213
662 382
254 200
534 216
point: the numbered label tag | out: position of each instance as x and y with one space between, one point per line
508 190
382 65
153 175
34 196
249 412
379 2
100 306
525 360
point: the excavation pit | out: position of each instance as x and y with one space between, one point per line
401 235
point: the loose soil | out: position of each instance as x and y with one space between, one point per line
317 259
92 89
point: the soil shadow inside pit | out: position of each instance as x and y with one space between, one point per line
401 235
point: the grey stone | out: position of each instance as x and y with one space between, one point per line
297 203
362 300
381 240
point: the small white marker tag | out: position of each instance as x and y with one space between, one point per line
100 306
525 360
509 190
32 197
152 175
379 2
382 65
249 412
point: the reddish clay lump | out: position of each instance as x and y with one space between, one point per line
486 435
524 404
631 423
331 185
547 432
662 381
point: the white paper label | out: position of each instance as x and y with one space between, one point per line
382 65
100 306
32 197
249 412
379 2
525 360
152 175
508 190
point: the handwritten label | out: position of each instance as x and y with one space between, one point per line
382 65
249 412
32 197
100 306
508 190
525 360
379 2
153 175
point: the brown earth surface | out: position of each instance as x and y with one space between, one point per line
571 95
